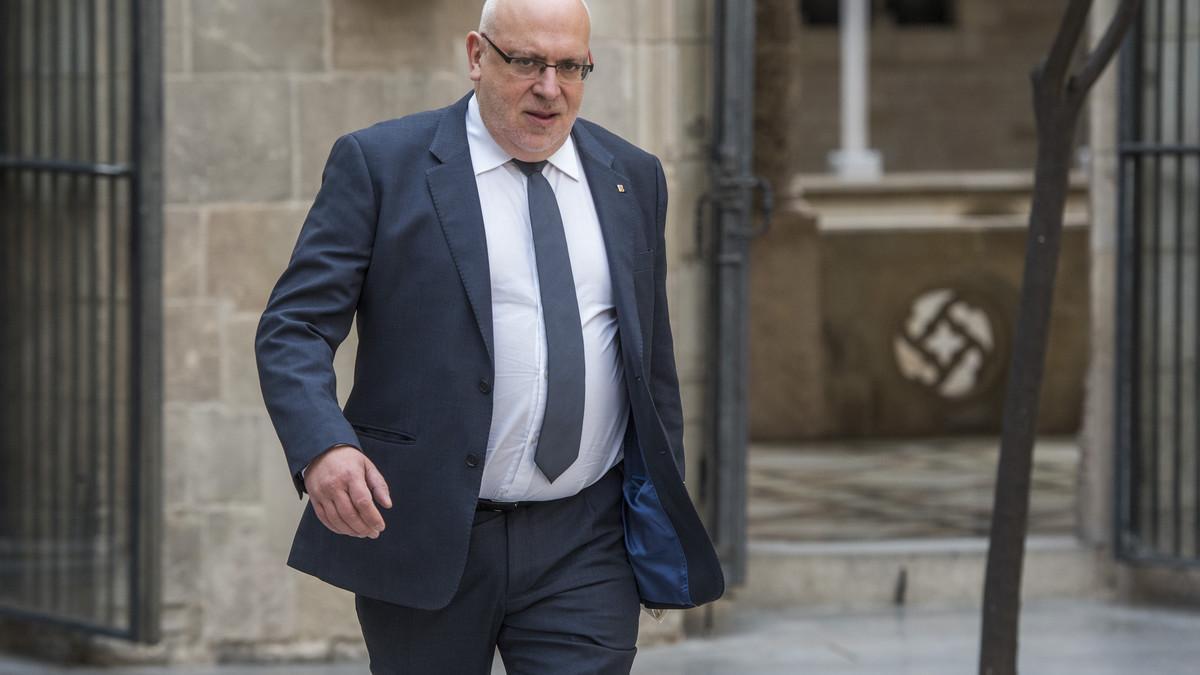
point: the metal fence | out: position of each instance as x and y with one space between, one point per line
1158 405
80 128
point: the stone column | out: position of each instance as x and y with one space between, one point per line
854 160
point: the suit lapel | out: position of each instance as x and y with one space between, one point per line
620 221
456 199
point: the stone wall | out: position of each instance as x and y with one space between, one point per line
845 286
950 106
256 93
941 98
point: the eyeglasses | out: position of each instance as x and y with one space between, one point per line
527 68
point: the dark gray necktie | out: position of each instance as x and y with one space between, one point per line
558 443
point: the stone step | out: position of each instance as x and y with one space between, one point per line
911 572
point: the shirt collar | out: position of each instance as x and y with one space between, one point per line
486 153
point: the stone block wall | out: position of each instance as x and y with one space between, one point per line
941 97
256 93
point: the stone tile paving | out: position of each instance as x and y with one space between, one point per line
1058 638
892 489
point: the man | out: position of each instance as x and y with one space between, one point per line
508 469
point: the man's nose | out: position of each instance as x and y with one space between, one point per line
546 85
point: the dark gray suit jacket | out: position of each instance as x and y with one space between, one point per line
395 238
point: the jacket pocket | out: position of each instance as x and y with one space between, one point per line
643 260
386 435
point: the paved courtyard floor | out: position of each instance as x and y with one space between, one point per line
865 490
1058 637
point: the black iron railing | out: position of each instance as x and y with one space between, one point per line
1158 332
80 125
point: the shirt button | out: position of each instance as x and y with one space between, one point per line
472 460
484 385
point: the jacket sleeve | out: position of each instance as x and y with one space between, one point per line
664 381
310 310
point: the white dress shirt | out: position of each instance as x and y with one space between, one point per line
519 331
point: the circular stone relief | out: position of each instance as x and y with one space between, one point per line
947 344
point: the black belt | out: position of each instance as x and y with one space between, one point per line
493 505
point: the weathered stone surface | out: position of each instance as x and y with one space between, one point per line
248 248
665 19
614 20
212 454
240 388
687 181
173 36
183 252
241 35
324 611
242 154
224 459
248 595
329 108
233 581
181 626
688 302
183 556
609 95
384 35
176 430
673 96
786 355
191 363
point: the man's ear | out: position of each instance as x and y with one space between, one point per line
474 56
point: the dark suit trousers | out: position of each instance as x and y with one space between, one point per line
549 584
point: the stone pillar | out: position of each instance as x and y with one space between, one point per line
854 160
1096 445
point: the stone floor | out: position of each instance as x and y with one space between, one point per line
898 489
1059 637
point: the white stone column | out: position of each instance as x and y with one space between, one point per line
854 160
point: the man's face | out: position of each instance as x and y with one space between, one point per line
530 118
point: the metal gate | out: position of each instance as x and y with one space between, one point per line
80 127
1158 338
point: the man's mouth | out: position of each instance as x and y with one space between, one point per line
541 117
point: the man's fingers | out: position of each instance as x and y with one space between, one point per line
345 509
328 516
360 497
378 485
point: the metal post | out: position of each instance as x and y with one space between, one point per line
733 181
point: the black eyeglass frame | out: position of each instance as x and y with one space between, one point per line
585 69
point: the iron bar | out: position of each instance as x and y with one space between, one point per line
40 526
1177 314
1155 319
110 414
1159 238
65 167
1130 149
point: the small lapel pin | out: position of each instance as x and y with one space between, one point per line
620 187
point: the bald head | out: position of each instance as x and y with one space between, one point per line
499 14
529 112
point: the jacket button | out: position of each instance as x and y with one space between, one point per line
484 385
472 460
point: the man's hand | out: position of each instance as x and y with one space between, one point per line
340 483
